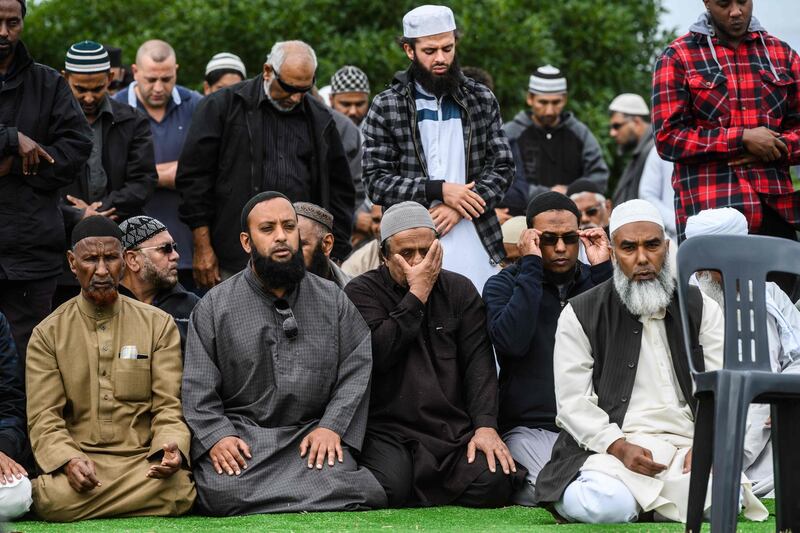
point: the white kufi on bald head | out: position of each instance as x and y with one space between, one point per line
634 211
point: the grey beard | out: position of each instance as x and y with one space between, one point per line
711 288
274 102
644 298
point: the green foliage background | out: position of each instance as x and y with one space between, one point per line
603 47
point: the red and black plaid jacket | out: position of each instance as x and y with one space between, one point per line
704 97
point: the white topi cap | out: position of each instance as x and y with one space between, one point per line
629 104
428 20
634 211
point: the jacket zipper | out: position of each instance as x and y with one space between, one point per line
414 132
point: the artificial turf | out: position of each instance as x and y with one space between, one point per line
444 519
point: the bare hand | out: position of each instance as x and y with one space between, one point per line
422 276
635 458
31 152
81 474
445 218
503 214
363 222
764 143
170 463
463 199
559 188
687 462
5 165
205 267
318 444
528 243
489 442
92 209
10 470
166 174
743 160
595 242
225 455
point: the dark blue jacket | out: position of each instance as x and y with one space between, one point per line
523 310
12 396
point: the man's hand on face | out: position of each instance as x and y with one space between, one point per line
92 209
170 462
528 243
489 442
635 458
318 444
10 470
463 199
422 277
31 153
764 144
595 242
228 454
444 218
81 474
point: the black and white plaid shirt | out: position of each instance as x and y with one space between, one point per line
394 162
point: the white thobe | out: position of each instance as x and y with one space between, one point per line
658 417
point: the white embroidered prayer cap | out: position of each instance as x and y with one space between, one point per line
428 20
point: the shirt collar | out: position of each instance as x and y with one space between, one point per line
96 312
133 101
105 107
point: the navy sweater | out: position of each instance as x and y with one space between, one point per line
523 310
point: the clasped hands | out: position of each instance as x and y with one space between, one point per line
761 145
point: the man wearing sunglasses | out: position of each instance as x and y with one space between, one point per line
151 270
278 366
629 126
523 304
594 207
264 134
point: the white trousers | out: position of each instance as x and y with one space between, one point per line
597 498
15 499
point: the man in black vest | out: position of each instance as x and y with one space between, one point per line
623 387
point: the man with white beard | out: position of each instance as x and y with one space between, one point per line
783 335
623 386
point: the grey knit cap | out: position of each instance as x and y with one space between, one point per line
316 213
136 230
403 216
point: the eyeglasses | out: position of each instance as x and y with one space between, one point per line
551 239
292 89
617 125
166 248
290 328
592 211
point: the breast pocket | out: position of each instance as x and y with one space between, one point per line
132 380
775 95
710 98
444 338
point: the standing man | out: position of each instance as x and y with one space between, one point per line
435 137
169 108
551 147
316 240
44 143
265 134
726 110
523 303
629 126
350 93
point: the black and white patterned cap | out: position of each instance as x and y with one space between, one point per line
349 79
136 230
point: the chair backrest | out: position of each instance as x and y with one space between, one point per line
744 262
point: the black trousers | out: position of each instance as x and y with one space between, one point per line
392 465
25 303
773 225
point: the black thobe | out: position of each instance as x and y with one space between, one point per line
434 379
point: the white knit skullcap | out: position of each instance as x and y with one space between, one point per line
403 216
226 61
722 221
629 104
428 20
634 211
547 80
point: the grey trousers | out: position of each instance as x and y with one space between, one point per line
532 449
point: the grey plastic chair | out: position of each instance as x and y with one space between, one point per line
725 395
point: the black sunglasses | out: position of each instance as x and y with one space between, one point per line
292 89
551 239
617 125
290 328
165 248
592 211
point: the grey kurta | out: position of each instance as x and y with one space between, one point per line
244 377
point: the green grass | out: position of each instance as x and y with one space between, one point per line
443 519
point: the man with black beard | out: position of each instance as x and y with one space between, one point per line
151 270
435 137
623 387
316 240
105 421
276 384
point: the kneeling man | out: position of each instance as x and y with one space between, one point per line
432 433
104 410
623 387
275 391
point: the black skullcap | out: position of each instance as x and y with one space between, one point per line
548 201
257 199
95 226
583 185
115 56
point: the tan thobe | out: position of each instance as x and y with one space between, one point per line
658 417
85 401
